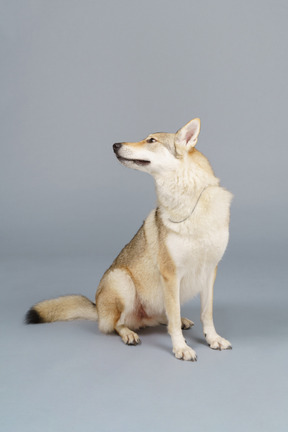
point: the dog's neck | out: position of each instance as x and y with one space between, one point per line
192 211
178 195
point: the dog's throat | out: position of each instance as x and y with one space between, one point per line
192 211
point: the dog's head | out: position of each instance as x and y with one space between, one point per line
159 152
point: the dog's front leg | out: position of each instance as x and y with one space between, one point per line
213 339
172 306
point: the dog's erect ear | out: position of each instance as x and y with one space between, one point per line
187 136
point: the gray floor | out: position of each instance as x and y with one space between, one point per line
70 377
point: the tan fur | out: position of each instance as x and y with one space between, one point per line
172 257
66 308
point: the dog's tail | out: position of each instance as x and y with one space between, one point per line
65 308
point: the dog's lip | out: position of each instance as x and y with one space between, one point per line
136 161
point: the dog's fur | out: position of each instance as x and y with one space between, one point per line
173 256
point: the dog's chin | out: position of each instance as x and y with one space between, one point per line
139 162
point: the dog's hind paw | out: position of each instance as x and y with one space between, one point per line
185 353
186 323
131 338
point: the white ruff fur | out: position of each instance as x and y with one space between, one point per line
197 244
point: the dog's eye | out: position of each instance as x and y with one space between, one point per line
151 140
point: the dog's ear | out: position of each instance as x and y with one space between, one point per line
186 137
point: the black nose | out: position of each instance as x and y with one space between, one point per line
116 147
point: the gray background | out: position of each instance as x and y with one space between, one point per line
77 76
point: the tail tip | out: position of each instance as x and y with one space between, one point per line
33 317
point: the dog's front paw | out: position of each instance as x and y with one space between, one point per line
185 353
216 342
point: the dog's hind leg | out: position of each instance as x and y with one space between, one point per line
115 301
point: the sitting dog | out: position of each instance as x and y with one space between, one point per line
173 256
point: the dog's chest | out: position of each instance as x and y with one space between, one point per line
192 253
199 244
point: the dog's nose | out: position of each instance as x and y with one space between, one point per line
116 147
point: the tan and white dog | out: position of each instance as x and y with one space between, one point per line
173 256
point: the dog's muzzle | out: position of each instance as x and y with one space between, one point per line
140 162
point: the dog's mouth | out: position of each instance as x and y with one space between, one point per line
140 162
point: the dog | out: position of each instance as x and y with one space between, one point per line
174 255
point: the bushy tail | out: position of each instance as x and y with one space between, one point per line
65 308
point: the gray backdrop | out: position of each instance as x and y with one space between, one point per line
77 76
